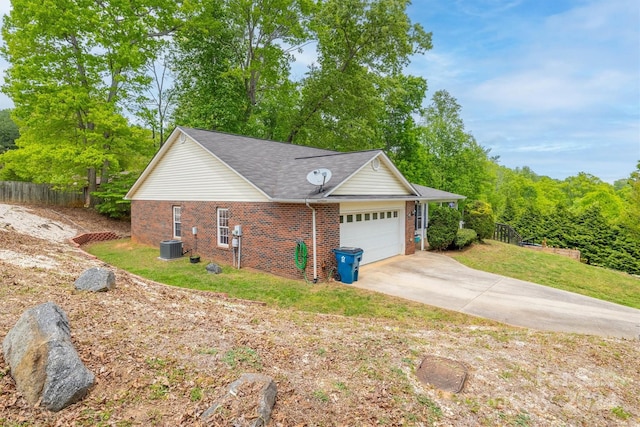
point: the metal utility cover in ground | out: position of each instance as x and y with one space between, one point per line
440 372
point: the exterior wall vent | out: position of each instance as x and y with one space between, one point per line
170 249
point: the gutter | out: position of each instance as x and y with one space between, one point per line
343 199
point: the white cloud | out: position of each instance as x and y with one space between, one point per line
485 9
549 89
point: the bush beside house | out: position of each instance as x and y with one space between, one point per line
464 237
443 227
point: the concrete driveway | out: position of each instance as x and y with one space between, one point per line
441 281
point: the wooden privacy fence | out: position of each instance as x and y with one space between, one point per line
38 194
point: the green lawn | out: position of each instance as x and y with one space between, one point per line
552 270
336 298
330 298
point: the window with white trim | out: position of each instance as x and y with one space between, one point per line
418 217
223 227
177 222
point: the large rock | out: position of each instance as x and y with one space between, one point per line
248 403
43 361
213 268
96 280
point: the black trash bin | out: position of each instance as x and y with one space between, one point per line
348 261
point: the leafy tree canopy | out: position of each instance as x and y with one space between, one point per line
75 67
8 131
457 163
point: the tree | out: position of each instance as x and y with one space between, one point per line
402 99
559 228
581 212
362 46
75 67
157 103
232 65
594 236
458 163
478 216
8 131
508 213
631 196
529 224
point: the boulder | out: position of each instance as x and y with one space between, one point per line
43 361
248 403
96 279
213 268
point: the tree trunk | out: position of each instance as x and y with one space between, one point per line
91 186
104 175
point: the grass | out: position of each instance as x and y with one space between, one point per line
242 355
329 298
335 298
552 270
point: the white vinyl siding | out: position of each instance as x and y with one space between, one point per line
371 182
223 227
377 228
188 172
177 222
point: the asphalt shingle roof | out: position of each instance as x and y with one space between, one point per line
434 195
279 169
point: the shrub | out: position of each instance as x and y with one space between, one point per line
479 217
111 195
443 226
465 237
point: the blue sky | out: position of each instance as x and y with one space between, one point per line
549 84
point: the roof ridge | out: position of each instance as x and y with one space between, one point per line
255 138
336 153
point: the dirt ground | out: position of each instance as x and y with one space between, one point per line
162 355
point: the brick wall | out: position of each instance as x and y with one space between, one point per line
409 229
151 221
270 232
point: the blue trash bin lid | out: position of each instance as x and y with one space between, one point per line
348 250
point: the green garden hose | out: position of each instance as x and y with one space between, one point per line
300 257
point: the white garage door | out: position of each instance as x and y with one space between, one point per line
378 230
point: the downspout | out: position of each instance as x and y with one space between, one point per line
315 261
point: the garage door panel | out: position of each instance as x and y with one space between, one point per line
379 238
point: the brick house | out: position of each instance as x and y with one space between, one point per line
279 195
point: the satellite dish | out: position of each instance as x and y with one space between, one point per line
319 177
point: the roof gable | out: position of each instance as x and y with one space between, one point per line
184 170
377 177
